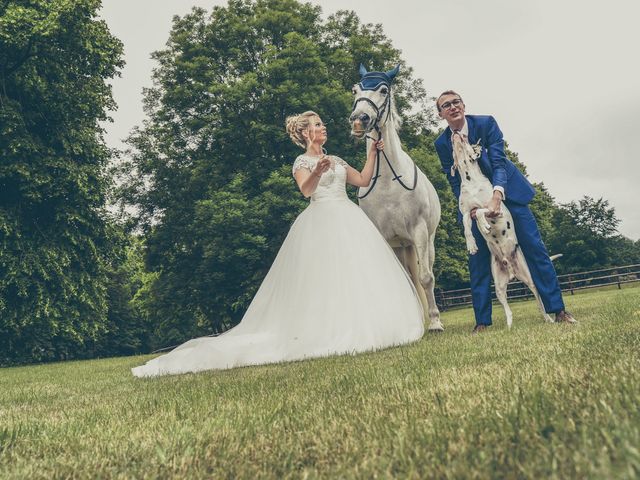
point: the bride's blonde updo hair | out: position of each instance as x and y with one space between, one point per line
296 124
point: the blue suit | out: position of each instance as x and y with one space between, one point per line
518 193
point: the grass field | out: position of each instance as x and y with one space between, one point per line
539 401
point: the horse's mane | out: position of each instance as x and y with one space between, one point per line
395 116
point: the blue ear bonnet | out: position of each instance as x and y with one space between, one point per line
373 80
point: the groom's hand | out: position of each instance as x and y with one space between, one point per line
495 205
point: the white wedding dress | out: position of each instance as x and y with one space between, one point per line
335 287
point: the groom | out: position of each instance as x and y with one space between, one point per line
510 186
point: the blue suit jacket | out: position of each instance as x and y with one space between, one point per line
493 161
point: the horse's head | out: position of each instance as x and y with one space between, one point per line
373 103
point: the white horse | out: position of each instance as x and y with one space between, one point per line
400 200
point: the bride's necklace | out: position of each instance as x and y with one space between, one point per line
318 155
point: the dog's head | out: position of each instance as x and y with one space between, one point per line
464 154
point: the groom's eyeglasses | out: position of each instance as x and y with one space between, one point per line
453 103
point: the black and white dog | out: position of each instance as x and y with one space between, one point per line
507 260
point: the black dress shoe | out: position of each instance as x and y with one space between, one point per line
565 317
479 329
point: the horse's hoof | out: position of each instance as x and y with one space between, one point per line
437 328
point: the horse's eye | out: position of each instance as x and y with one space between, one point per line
384 90
354 90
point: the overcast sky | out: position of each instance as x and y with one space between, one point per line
562 77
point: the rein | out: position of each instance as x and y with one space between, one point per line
380 111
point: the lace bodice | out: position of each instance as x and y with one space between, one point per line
332 183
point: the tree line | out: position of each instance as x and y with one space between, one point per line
204 191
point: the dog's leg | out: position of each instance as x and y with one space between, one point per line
501 279
472 246
524 275
483 224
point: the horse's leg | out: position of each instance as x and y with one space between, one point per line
400 253
425 252
434 314
409 261
411 264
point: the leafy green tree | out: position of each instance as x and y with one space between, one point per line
126 329
210 170
586 233
544 210
55 60
595 216
624 251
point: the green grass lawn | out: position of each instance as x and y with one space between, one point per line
539 401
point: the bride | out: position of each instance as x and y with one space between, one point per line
335 286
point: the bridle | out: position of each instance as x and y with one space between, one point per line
380 111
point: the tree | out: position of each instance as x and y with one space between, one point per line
210 170
595 216
126 329
586 233
624 251
55 60
544 208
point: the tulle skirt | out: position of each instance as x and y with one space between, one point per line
335 287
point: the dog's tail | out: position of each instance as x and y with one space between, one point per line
553 257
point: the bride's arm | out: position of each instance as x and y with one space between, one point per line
363 178
308 180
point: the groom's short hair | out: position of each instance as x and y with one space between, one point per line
447 92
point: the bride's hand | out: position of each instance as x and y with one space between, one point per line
379 145
322 166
